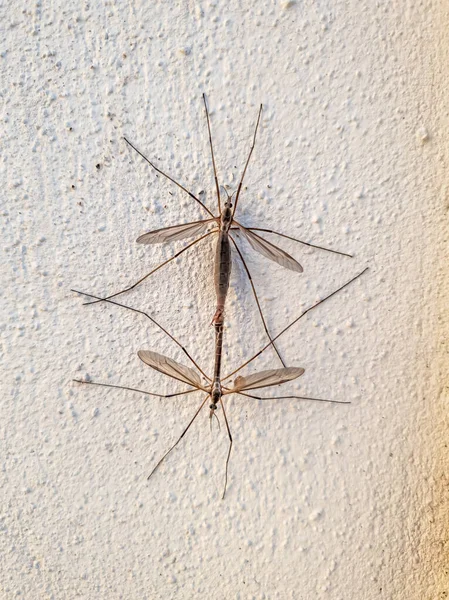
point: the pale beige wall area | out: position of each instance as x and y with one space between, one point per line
324 501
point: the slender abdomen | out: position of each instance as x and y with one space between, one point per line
222 273
218 352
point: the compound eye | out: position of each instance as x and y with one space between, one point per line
213 407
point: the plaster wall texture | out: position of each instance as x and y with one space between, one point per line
324 501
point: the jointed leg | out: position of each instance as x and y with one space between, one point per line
247 162
212 152
295 321
257 300
130 389
141 312
289 397
299 241
168 177
131 287
180 437
230 447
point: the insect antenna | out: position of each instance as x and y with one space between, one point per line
218 421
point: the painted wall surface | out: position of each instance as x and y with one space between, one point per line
324 501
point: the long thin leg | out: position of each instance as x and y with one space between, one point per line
295 321
168 177
289 397
299 241
212 152
131 287
180 437
130 389
247 162
141 312
257 300
230 447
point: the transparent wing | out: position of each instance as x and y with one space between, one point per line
269 250
266 378
174 233
170 367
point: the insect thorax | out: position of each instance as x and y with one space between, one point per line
216 392
226 217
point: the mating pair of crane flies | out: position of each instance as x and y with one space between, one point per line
224 223
216 386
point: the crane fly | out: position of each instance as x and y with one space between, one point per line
216 387
224 224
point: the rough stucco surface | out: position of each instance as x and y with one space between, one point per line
324 501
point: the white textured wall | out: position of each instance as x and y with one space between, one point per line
335 502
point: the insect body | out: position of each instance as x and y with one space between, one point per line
223 263
217 387
225 225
